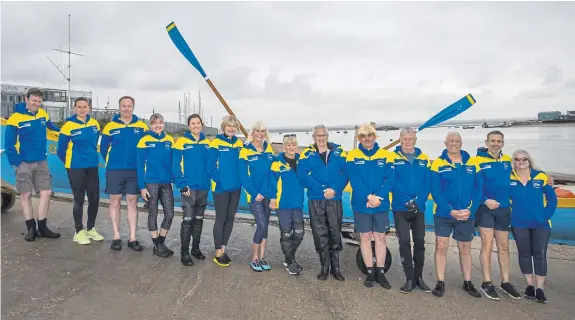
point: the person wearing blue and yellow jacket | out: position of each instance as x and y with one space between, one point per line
371 173
286 198
409 197
190 169
118 148
223 168
78 150
533 203
456 188
254 168
154 169
321 170
26 143
494 213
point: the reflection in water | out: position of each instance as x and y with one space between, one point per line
552 146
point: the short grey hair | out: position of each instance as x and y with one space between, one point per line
318 127
527 155
155 117
453 133
407 130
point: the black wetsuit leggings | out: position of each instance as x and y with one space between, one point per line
163 193
532 249
226 205
85 181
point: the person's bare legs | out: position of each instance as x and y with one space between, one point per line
441 246
26 204
485 254
365 246
263 248
465 259
380 245
502 242
132 201
44 204
114 209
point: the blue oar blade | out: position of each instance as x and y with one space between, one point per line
183 47
449 112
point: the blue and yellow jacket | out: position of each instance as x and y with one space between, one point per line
285 185
533 204
370 172
223 163
25 135
154 159
119 142
190 162
254 169
495 173
316 176
455 187
412 180
78 143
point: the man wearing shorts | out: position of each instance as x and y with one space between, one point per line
118 148
494 213
456 188
26 144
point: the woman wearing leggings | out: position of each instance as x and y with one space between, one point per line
223 158
287 194
154 172
190 165
254 166
78 150
533 203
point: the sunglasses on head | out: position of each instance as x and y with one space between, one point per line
289 135
521 159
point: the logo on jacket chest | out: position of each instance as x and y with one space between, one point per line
359 161
537 184
380 163
470 170
167 144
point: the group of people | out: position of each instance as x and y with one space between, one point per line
468 192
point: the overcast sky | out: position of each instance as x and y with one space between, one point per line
304 63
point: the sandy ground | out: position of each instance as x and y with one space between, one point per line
59 279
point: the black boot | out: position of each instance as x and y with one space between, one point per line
185 235
162 240
334 255
197 225
44 232
439 289
31 227
419 282
407 287
160 249
324 259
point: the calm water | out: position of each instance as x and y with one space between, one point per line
553 147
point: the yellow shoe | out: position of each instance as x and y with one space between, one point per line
81 237
94 235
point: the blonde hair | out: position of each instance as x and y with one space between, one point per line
290 138
229 120
527 155
259 125
366 129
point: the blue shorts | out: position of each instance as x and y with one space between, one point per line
377 222
462 230
498 219
122 182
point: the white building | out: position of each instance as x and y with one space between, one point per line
55 100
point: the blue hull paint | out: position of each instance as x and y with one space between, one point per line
563 221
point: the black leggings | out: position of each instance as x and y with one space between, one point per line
85 181
404 222
226 205
193 207
261 212
532 249
163 193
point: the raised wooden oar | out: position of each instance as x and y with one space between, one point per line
449 112
182 45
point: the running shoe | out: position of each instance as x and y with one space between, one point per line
94 235
529 292
297 264
265 266
510 290
469 287
489 290
221 261
81 238
292 268
540 296
255 265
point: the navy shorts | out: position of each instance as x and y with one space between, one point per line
377 222
122 182
462 230
498 219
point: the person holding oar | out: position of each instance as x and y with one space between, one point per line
254 167
78 150
286 197
456 188
223 168
190 169
155 180
371 173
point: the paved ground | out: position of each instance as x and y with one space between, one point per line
59 279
